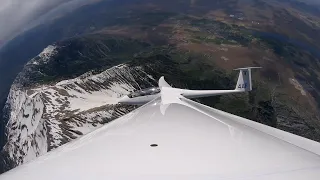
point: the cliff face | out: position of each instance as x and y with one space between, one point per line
26 129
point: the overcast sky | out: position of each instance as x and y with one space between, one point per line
16 15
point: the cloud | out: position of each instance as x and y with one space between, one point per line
15 15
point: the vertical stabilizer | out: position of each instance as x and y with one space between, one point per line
163 83
244 82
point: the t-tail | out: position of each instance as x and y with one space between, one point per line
244 82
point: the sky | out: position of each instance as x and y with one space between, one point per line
17 15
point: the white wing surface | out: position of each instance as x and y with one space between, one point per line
180 139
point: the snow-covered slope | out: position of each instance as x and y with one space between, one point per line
43 117
26 130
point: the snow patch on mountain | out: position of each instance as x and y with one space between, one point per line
44 117
47 53
85 92
25 128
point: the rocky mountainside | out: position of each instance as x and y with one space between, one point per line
43 116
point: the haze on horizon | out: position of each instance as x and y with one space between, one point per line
16 16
